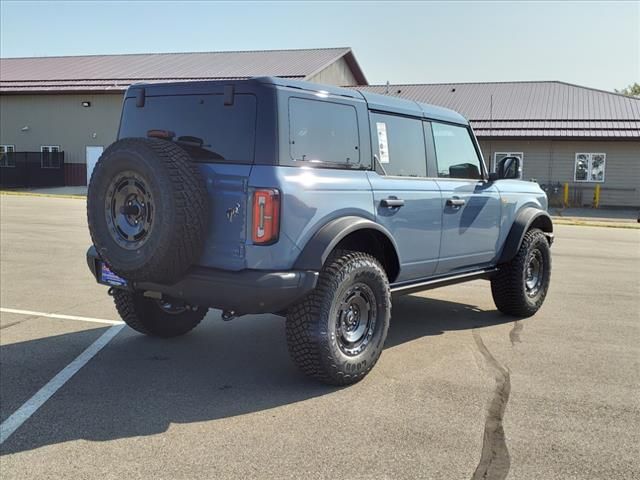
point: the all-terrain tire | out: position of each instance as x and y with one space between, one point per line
509 285
177 210
146 315
313 325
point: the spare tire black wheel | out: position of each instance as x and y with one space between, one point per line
147 209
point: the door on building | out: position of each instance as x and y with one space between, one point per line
92 156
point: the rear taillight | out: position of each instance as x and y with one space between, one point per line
266 216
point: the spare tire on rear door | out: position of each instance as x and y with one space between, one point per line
147 209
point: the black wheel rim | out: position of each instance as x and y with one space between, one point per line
534 273
129 210
356 319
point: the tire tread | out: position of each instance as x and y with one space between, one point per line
304 332
506 285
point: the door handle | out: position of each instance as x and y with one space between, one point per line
455 202
392 202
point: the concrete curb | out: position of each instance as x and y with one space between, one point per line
594 223
33 194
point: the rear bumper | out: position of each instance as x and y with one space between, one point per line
245 291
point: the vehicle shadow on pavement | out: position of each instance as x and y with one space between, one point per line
139 386
415 317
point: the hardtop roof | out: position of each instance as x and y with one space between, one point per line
377 102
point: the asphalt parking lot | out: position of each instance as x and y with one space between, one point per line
460 392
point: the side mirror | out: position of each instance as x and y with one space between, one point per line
508 168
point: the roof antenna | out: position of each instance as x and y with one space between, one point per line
492 158
386 89
491 115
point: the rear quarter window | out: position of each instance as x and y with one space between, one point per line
208 130
323 132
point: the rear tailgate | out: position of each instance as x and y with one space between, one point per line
228 216
216 124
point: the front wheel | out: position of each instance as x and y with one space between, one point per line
159 318
337 332
520 286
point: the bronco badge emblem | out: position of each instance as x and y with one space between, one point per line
233 211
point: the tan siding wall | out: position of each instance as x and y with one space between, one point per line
551 161
59 120
338 73
62 120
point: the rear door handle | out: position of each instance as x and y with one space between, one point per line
392 202
455 202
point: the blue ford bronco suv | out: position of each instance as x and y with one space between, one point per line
312 202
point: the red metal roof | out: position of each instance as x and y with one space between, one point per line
116 72
526 109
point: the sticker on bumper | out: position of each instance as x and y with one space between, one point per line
110 278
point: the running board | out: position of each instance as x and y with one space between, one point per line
419 285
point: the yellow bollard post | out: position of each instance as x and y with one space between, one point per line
565 197
596 196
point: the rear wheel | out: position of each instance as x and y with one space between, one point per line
520 286
159 318
337 332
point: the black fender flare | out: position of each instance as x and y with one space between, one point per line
315 252
528 217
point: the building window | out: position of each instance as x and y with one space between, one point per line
50 157
590 167
7 160
500 155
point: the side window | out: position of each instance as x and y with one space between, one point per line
323 132
456 156
398 143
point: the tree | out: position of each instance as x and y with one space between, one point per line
631 90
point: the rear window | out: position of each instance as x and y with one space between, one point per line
209 130
323 132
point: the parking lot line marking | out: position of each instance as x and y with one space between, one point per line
21 415
60 316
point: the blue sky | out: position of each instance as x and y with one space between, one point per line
589 43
